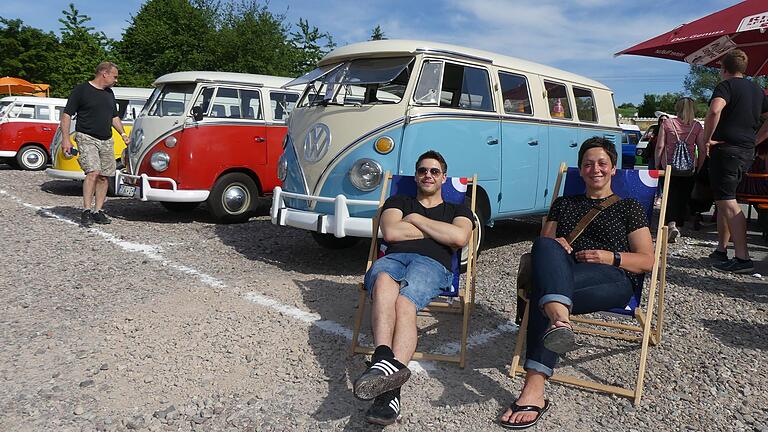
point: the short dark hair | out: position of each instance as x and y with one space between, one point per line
105 66
735 61
431 154
598 142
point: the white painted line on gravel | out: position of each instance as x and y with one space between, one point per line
154 253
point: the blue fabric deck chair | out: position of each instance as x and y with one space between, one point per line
456 299
641 185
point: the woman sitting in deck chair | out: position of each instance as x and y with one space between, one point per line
598 271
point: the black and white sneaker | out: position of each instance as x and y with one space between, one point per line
385 409
384 374
86 220
736 265
100 218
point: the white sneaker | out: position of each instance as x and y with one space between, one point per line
674 233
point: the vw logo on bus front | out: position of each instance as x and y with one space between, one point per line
316 142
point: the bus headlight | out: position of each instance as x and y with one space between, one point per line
159 161
170 142
282 168
366 174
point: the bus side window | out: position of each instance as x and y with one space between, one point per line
42 112
466 87
429 81
204 102
514 92
557 99
585 104
282 104
57 113
251 104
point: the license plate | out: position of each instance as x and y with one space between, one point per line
126 190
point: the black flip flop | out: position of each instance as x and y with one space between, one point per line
525 408
560 340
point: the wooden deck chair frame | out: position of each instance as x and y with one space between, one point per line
462 304
643 332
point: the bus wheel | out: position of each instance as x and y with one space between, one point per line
32 158
232 198
179 207
330 241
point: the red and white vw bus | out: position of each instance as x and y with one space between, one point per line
27 125
211 137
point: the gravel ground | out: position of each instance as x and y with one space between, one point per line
163 321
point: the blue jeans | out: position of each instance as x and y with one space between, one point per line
582 287
421 278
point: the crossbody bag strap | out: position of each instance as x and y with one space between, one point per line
590 216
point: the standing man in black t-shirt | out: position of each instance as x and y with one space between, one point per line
423 233
94 104
729 129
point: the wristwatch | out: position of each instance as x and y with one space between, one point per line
617 259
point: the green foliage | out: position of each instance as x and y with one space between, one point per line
168 36
627 105
627 112
26 52
701 80
80 50
654 102
377 33
253 40
308 41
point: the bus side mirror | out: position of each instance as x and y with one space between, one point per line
197 113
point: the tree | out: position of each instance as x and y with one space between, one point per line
81 49
654 102
251 39
701 80
307 40
170 35
27 52
377 34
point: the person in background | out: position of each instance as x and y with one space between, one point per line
735 109
673 130
94 104
652 139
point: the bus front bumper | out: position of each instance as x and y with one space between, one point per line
65 174
340 224
137 186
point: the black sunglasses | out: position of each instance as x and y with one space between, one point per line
423 171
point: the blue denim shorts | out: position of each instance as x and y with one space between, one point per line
421 278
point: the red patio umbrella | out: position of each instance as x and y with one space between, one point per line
706 40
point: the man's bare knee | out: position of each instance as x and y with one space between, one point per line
384 280
404 305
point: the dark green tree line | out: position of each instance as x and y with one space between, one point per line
164 36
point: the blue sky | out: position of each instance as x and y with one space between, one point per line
579 36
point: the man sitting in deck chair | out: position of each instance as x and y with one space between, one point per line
598 271
423 233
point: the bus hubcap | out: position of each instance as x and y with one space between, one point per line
236 199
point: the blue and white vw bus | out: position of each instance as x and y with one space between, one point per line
375 106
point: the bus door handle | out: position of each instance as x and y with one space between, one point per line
492 141
46 129
573 144
260 139
533 143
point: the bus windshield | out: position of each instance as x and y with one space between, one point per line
171 99
358 82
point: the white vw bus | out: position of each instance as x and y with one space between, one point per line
376 106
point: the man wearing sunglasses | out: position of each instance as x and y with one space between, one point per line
423 232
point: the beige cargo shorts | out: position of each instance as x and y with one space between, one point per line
96 154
